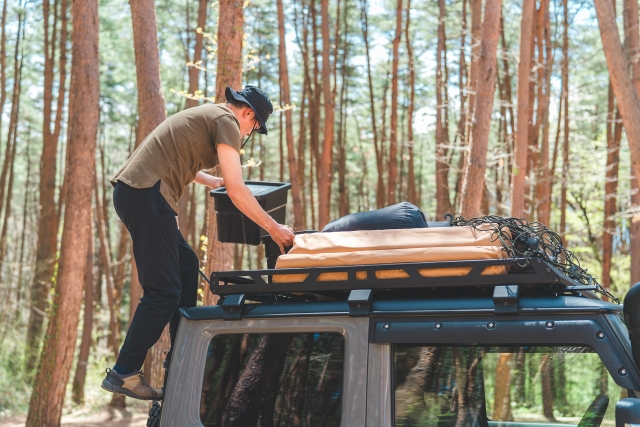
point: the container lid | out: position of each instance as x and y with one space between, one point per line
260 189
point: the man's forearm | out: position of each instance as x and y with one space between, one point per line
200 178
208 180
244 200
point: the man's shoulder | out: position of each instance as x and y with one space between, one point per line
211 111
206 112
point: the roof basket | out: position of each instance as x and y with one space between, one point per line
365 277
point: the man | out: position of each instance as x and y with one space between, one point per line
147 190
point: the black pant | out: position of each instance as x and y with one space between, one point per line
167 269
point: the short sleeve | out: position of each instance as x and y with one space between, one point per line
225 130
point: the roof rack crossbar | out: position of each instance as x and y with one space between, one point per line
365 277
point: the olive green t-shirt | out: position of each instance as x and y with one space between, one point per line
179 148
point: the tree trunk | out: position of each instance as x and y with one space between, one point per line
470 90
502 402
13 118
473 184
87 327
194 71
343 193
633 45
393 135
183 205
546 374
544 180
507 85
443 203
634 228
105 256
302 131
230 34
25 216
298 214
336 48
565 141
610 197
45 407
229 73
191 236
280 138
151 111
374 125
461 131
476 35
3 58
623 89
412 194
521 145
519 377
325 166
244 404
314 113
419 379
119 273
10 155
49 214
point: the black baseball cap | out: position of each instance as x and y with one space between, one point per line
257 100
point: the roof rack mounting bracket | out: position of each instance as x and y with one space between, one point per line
359 301
505 299
232 306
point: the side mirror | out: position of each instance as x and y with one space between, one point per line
627 412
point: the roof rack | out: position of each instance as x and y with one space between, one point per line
236 286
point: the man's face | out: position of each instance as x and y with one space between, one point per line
248 121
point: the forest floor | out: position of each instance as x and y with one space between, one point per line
129 417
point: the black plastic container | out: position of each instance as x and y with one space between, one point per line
272 250
234 226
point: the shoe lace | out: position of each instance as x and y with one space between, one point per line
143 379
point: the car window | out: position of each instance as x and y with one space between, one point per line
273 379
501 387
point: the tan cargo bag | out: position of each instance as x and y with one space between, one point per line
391 247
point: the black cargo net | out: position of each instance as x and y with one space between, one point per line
525 240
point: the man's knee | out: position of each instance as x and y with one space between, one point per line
164 300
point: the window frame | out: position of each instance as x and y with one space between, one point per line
515 331
181 405
463 330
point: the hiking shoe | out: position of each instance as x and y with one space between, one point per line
133 385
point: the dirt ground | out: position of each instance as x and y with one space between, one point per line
131 417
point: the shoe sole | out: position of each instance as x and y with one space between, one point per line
125 391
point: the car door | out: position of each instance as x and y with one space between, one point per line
275 371
513 372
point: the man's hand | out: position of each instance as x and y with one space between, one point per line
209 180
282 235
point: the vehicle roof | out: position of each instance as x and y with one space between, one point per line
447 306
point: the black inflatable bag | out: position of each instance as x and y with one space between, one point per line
402 215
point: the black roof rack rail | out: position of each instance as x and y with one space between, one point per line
253 281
